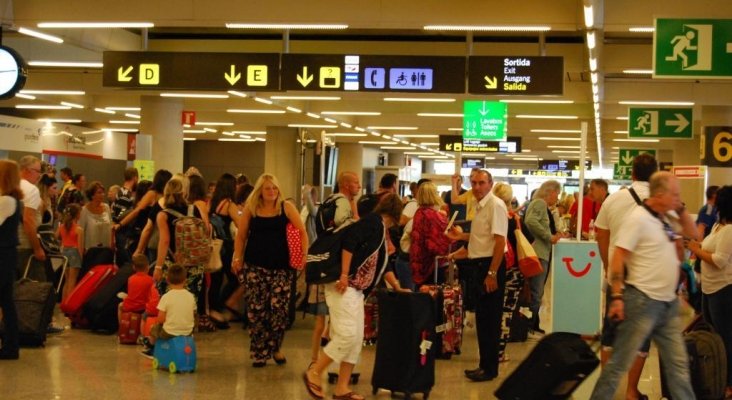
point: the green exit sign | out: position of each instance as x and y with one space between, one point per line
484 120
692 48
660 123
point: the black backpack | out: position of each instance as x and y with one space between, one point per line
324 256
325 217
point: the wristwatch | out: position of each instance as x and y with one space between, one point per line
491 273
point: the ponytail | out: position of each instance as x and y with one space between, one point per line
70 214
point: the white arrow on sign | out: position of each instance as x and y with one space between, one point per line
680 122
627 158
483 112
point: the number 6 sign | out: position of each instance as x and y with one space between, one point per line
716 146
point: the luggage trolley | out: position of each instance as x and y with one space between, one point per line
52 248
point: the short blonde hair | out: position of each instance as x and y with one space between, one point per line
255 199
504 192
427 195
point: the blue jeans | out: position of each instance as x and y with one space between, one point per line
404 273
536 283
720 304
645 317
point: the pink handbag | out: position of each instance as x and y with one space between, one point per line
294 244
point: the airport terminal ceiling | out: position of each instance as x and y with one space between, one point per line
384 28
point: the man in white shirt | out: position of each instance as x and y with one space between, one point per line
486 246
648 306
615 211
30 173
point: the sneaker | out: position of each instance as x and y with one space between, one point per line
145 341
52 329
148 353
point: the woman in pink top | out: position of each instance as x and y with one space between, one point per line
72 245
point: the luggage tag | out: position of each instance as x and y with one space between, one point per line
423 347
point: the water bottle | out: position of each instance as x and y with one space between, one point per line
591 233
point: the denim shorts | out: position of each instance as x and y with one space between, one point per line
72 254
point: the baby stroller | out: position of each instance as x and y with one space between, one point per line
52 248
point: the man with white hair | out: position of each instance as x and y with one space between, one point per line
30 174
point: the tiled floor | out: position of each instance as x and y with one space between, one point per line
82 365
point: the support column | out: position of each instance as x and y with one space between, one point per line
282 159
160 118
350 158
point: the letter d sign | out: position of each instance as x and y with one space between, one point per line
149 74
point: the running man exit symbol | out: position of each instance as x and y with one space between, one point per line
693 48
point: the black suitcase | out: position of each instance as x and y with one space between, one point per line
101 309
34 302
96 256
403 362
553 370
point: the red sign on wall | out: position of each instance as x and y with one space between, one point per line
131 146
188 118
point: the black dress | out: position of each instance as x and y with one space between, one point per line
8 261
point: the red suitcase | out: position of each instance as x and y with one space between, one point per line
91 282
449 310
129 327
371 319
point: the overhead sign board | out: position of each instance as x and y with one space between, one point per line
373 73
692 48
716 146
536 172
660 123
624 167
563 165
690 171
512 144
191 71
516 75
485 120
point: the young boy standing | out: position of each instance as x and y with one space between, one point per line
176 309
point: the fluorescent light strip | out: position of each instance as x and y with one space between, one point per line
123 108
622 118
488 28
235 140
95 25
656 103
40 35
420 99
375 113
245 136
227 133
556 131
644 29
196 95
314 98
25 96
448 115
345 134
263 101
374 142
237 25
621 132
531 116
194 131
536 101
398 147
429 144
311 115
201 123
60 120
211 130
455 129
637 140
591 40
569 151
375 133
560 138
66 64
250 111
525 159
124 122
331 120
435 157
420 153
236 93
250 132
346 125
41 107
55 92
324 126
72 105
589 17
417 136
393 128
563 147
293 109
638 71
128 115
104 110
189 139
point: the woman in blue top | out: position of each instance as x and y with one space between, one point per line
263 228
10 211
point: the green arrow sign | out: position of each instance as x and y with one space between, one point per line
484 120
623 169
692 48
660 122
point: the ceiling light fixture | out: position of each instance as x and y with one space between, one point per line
40 35
375 113
331 120
41 107
398 147
374 142
637 140
531 116
416 136
241 25
66 64
312 115
250 132
72 105
393 128
123 108
194 131
556 131
210 130
314 98
589 17
638 71
237 93
126 130
591 40
60 120
323 126
189 139
346 134
25 96
488 28
560 138
129 115
235 140
209 123
293 109
448 115
104 110
196 95
517 101
252 111
420 99
643 29
621 132
656 103
128 122
55 92
346 125
263 101
95 25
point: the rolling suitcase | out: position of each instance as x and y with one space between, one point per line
34 302
101 309
405 353
553 370
448 311
371 319
84 290
129 327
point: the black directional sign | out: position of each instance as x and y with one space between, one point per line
371 73
191 71
457 143
516 75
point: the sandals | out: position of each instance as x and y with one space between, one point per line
314 390
348 396
205 324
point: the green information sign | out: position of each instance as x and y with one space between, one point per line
692 48
145 168
484 120
624 167
660 123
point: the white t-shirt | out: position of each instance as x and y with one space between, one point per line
491 218
719 243
652 265
616 209
31 199
410 209
179 306
7 208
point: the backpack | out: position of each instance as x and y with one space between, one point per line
192 243
324 256
218 226
325 217
367 203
